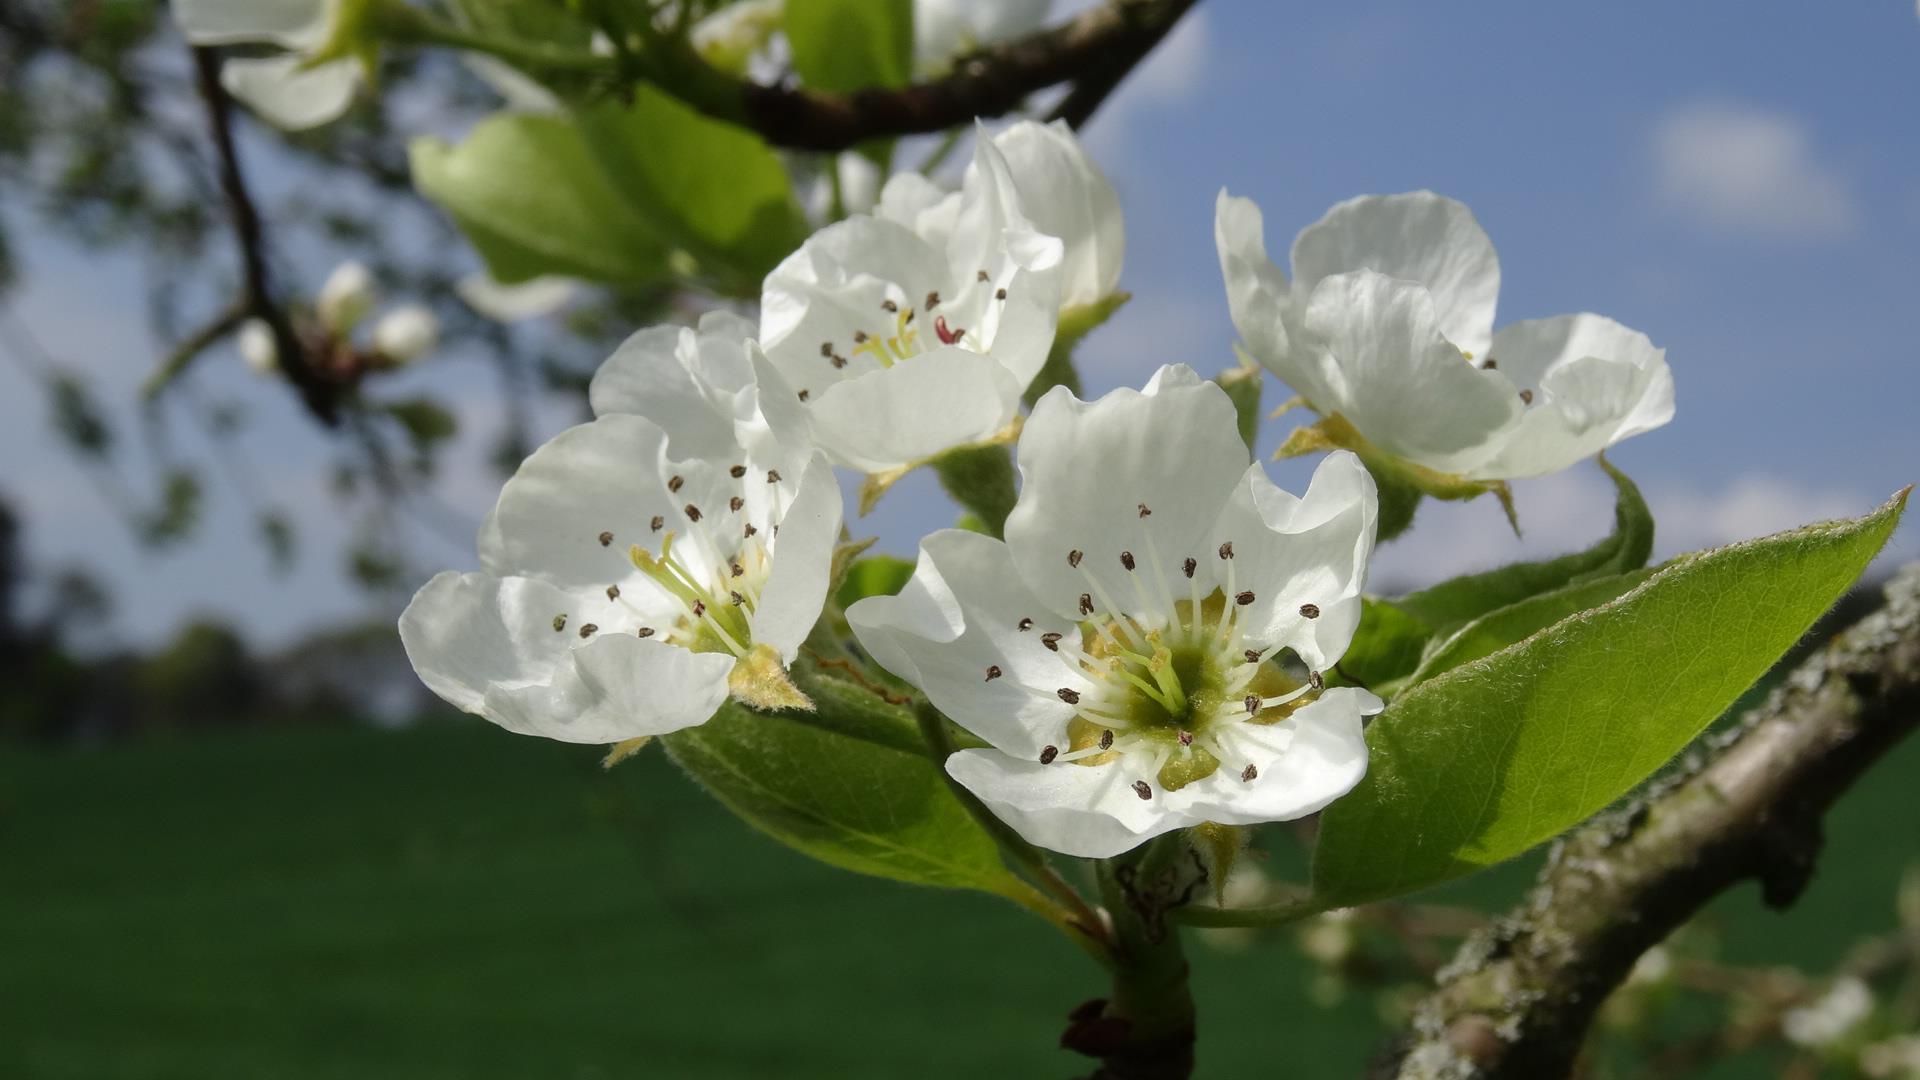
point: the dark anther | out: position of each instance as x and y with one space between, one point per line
1048 753
587 630
676 483
1247 774
1186 738
1189 567
993 672
889 306
1069 695
736 569
999 294
1526 397
1316 680
734 504
839 361
1144 512
645 631
1051 640
737 471
933 301
1226 550
1141 789
1026 624
909 317
657 522
559 623
1126 559
773 476
1309 611
1252 703
613 592
693 512
981 276
826 348
859 337
1488 364
699 608
752 528
1106 739
1073 558
1086 603
1253 655
606 538
736 598
805 394
1243 598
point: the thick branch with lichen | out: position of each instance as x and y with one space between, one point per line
1518 999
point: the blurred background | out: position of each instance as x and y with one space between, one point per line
238 839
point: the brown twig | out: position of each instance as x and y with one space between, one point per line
257 296
1094 51
1518 999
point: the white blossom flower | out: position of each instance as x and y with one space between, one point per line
1388 324
1830 1018
406 333
637 572
530 299
943 29
1122 649
290 90
1062 192
257 347
345 297
901 348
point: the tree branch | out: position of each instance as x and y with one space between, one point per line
1094 50
257 296
1518 999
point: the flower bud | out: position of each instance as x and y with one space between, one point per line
1831 1017
406 333
345 298
258 348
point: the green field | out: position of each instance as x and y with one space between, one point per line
456 902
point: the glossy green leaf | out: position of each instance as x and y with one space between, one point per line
530 196
1387 647
1495 756
845 45
1496 630
712 190
875 575
845 801
1453 602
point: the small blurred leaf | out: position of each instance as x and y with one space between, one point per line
528 192
77 417
845 45
875 575
714 190
1495 756
847 802
276 531
178 512
427 423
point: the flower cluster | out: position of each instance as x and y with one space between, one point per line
1150 642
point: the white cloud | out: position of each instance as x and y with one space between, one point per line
1743 169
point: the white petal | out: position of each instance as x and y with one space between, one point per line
993 227
289 95
1595 382
688 381
1291 552
1419 237
960 615
920 204
406 333
611 475
296 24
895 416
1087 811
1303 763
1263 305
796 587
834 287
1404 386
1087 467
529 299
945 28
488 646
1064 194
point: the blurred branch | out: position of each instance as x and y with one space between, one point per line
190 348
1518 999
1094 51
257 297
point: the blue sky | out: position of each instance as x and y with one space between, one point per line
1741 181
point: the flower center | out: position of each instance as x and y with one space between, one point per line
716 608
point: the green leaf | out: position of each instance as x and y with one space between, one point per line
845 45
530 195
1495 756
847 802
1451 603
875 575
711 189
1498 629
1387 646
1243 384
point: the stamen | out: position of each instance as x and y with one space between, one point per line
1073 558
1247 774
1142 789
982 276
675 484
826 348
657 523
889 306
1069 695
1189 567
933 301
1252 703
1048 753
1226 550
699 609
999 294
1309 611
751 529
1488 364
559 622
1086 604
1106 739
773 476
993 672
613 592
736 598
1186 738
1026 624
1243 598
1526 397
693 512
645 631
737 471
1144 512
1316 680
1253 655
1126 560
859 337
1050 639
606 538
587 630
736 568
734 504
805 394
839 361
